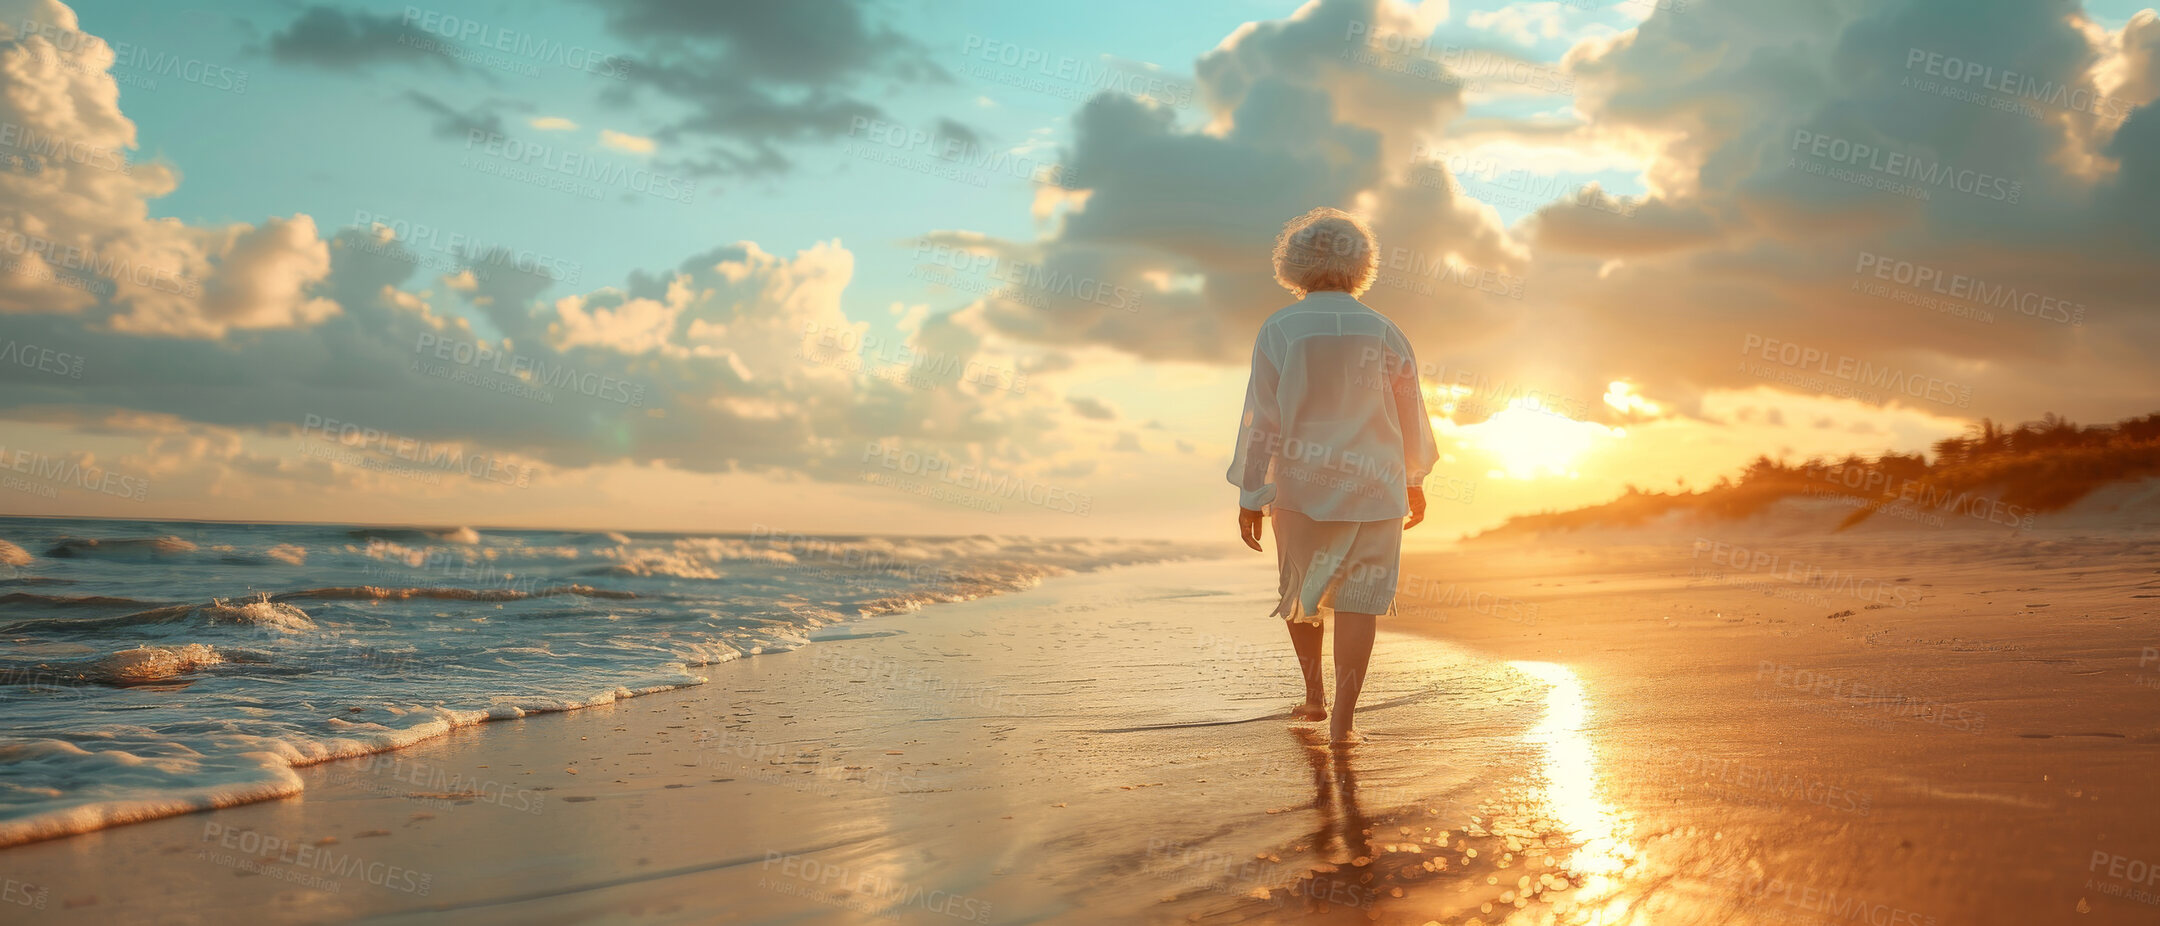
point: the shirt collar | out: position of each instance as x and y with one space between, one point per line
1330 295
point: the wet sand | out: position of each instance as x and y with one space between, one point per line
1559 734
1914 727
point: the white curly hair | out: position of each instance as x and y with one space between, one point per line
1326 250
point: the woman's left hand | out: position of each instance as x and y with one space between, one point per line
1248 526
1417 507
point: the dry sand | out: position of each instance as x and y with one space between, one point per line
1560 732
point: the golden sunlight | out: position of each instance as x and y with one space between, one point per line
1571 790
1528 440
1621 395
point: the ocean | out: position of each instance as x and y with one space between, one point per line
157 667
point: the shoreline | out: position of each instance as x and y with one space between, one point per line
800 784
281 770
1563 731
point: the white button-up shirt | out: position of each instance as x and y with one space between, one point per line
1335 425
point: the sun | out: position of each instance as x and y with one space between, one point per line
1529 441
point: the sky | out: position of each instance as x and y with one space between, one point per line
972 267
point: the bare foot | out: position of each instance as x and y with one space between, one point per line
1308 711
1346 738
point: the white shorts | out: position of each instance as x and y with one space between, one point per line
1335 565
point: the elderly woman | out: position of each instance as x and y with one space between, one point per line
1335 444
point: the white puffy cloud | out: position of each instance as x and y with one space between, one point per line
1744 229
1754 228
1310 110
732 359
77 237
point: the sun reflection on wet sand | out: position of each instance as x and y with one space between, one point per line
1571 791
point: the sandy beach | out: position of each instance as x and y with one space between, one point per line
655 462
1640 733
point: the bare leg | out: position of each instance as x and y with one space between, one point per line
1353 650
1305 638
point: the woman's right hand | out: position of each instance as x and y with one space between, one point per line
1248 526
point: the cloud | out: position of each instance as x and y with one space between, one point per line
1753 227
1296 118
247 332
1742 229
620 141
328 37
456 124
1091 408
754 77
267 278
552 124
1522 23
78 238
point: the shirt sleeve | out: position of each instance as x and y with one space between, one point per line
1259 433
1420 450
